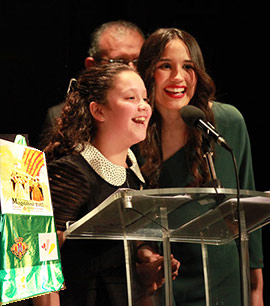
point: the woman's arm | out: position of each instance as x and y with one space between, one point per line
256 279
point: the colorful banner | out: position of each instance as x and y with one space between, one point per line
23 180
29 254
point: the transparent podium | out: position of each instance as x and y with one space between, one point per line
205 216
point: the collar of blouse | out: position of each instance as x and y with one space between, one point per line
113 174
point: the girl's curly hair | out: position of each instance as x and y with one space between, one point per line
76 126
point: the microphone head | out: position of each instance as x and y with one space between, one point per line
190 114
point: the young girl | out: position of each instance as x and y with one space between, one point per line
88 159
172 67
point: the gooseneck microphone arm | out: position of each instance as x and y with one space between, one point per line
209 131
208 155
195 117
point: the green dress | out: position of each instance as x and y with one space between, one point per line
224 262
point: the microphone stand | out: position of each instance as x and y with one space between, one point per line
193 116
208 155
243 236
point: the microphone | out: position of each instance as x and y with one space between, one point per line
193 116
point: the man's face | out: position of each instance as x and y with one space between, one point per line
124 46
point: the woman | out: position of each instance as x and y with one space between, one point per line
89 159
172 67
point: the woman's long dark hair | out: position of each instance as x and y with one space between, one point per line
76 126
151 53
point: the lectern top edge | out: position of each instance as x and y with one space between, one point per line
172 193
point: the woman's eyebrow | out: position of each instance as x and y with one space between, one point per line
164 59
169 60
188 61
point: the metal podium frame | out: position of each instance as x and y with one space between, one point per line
164 215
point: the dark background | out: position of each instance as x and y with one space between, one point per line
43 44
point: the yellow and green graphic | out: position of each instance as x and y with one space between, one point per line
29 254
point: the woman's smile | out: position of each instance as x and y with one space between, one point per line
175 91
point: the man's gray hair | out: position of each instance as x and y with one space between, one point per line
120 26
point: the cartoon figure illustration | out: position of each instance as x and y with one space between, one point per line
36 191
19 189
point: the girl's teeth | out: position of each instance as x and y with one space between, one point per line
139 120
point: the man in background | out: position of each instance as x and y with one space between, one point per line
114 41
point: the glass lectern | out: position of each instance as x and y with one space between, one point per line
172 215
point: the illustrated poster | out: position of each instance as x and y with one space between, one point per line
23 180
